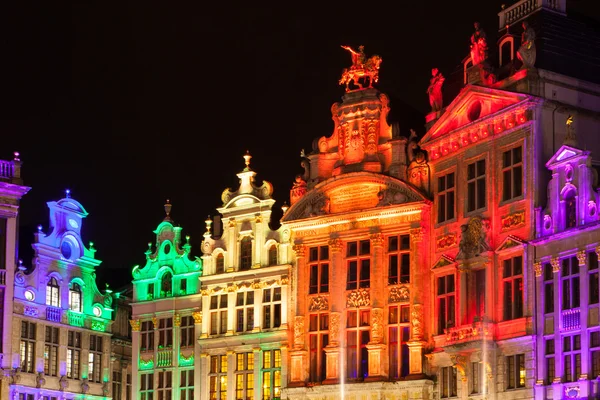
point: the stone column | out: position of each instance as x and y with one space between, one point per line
416 343
135 347
176 337
337 284
298 356
332 351
301 282
11 246
377 271
258 243
376 347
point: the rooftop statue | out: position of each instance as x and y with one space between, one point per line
526 52
478 45
361 68
435 90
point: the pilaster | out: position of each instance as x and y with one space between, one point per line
337 299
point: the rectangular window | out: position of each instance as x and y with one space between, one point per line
570 283
399 259
186 384
95 359
358 335
476 374
26 396
445 197
165 333
548 289
146 386
480 285
319 270
318 339
27 347
165 385
271 308
187 331
218 377
218 314
117 376
594 284
271 374
595 354
448 382
244 311
73 354
446 302
512 281
147 336
244 376
128 388
550 361
51 351
572 357
476 186
358 257
515 371
512 173
399 334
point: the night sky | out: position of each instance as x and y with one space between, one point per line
130 103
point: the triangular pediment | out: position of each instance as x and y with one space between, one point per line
511 242
353 192
565 154
473 104
443 261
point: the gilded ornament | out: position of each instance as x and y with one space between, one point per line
358 298
318 303
446 241
555 264
155 322
416 234
177 320
581 257
135 325
537 267
473 238
398 294
298 332
197 315
512 221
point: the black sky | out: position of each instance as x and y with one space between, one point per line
130 103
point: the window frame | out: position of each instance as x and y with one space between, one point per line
444 194
245 310
318 339
513 371
271 372
246 373
318 270
218 314
362 262
358 322
51 346
217 371
510 169
398 337
76 293
53 292
397 274
475 180
73 354
95 358
27 346
512 309
272 307
449 298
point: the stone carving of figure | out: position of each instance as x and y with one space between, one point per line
63 383
478 45
358 57
412 145
526 52
388 196
40 380
473 238
299 189
85 386
435 90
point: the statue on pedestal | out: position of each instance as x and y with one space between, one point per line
478 45
435 90
527 52
367 69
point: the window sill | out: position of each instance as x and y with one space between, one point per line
509 201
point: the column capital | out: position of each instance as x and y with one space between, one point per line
300 250
335 245
555 264
537 267
581 257
155 322
135 325
376 239
417 234
197 315
177 320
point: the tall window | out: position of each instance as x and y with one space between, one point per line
187 331
53 293
445 197
218 378
594 287
512 173
165 333
358 334
595 354
95 359
399 334
319 270
244 376
220 264
572 357
246 253
273 255
165 385
27 348
271 374
244 311
183 286
480 293
448 385
218 314
150 291
476 374
128 387
146 386
570 209
117 376
166 284
550 361
75 297
186 384
515 371
359 264
73 354
318 339
271 308
512 281
51 351
570 283
147 336
476 186
548 289
399 259
446 302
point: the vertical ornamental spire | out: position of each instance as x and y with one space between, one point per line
168 207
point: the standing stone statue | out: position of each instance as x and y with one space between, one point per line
478 45
526 52
435 90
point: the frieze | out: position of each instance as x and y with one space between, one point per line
358 298
446 241
318 303
512 221
398 294
31 311
376 221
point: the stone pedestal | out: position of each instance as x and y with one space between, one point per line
415 351
332 356
298 366
377 353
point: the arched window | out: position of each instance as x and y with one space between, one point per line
53 293
246 253
166 284
220 264
75 297
570 210
273 255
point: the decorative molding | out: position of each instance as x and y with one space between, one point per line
376 325
300 250
358 298
417 322
537 267
197 315
335 245
512 221
177 320
446 241
555 264
510 242
443 261
376 239
417 234
31 311
155 322
135 325
334 328
581 257
399 294
318 303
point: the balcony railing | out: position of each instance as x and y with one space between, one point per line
7 169
53 314
571 319
164 358
466 333
75 318
521 9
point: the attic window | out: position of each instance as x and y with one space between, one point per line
474 110
167 248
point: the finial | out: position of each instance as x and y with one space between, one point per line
208 223
68 193
39 228
570 137
503 6
285 206
247 158
21 267
168 207
16 154
91 245
187 239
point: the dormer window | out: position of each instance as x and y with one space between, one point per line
246 253
273 255
220 264
53 293
166 284
75 298
570 210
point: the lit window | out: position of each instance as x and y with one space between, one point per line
271 374
273 255
53 293
244 311
147 386
399 259
218 314
165 385
319 270
147 336
448 384
445 197
476 186
51 351
218 378
512 280
246 253
27 347
570 283
271 308
399 334
358 334
95 359
220 264
186 384
358 257
75 297
572 357
512 173
318 339
187 331
165 333
446 302
515 371
244 376
73 354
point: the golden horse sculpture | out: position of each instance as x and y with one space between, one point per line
361 68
